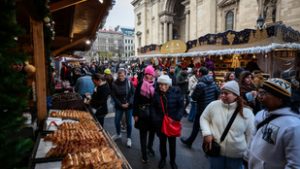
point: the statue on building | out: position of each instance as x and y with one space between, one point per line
269 11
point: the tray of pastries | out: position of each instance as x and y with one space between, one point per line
71 114
104 158
76 138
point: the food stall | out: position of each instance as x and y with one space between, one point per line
274 48
68 136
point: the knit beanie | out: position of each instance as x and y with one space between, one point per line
165 79
149 70
278 87
232 86
107 71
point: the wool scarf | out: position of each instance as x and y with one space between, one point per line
147 88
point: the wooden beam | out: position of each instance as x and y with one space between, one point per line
64 4
100 17
77 42
40 64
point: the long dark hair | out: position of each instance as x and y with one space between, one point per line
240 106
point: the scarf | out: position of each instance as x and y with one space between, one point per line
147 88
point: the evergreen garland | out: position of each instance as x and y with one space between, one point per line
14 93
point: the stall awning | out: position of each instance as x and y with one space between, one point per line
244 42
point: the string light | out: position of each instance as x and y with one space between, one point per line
87 42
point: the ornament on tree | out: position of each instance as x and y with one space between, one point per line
29 69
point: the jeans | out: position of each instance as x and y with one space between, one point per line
223 162
118 118
192 111
163 147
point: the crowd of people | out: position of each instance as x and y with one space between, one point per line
260 117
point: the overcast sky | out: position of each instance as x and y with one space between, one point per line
121 14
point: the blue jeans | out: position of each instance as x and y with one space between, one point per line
192 111
118 118
223 162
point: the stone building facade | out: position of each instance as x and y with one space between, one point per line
128 41
157 21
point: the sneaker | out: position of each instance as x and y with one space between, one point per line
123 130
129 143
116 137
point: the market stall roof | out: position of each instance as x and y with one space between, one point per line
76 21
231 42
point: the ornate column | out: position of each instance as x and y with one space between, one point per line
186 3
165 32
170 31
187 26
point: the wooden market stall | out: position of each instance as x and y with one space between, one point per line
61 26
274 48
66 138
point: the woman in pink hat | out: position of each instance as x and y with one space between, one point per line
141 112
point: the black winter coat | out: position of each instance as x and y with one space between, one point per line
122 93
99 99
205 92
174 106
139 101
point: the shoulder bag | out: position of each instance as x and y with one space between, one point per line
215 147
170 127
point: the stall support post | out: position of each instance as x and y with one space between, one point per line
40 64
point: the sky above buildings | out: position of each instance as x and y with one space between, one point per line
121 14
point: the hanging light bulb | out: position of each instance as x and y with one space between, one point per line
87 42
254 56
266 55
221 57
101 1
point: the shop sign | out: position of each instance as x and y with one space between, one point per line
173 46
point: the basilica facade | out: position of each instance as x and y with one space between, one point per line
158 21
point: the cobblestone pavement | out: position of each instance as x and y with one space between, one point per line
186 158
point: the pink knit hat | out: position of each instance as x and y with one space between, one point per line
149 70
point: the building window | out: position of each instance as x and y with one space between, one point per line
139 19
229 20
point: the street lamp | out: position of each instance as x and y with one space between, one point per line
260 22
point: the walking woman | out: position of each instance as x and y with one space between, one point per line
214 120
166 100
141 112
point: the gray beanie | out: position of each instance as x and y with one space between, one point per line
232 86
165 79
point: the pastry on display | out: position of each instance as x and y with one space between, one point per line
104 158
71 114
62 150
62 136
82 125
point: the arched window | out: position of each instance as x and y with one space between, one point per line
229 20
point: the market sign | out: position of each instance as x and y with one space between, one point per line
173 46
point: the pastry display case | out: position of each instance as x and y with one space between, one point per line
75 139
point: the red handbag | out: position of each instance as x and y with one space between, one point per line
170 127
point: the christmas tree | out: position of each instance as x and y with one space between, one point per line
13 90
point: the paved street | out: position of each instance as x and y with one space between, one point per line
186 158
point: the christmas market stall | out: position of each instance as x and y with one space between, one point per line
32 34
274 49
